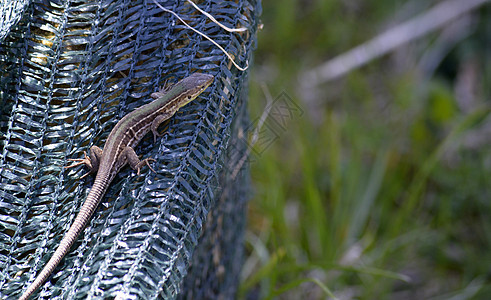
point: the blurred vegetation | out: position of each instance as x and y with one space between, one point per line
380 188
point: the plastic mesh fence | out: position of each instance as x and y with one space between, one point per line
216 264
10 13
69 71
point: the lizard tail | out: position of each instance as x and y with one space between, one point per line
83 217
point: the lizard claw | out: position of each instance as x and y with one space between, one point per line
80 161
145 162
85 175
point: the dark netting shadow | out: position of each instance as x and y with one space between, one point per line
69 72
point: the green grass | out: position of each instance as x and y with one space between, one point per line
377 191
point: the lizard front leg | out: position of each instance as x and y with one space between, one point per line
155 125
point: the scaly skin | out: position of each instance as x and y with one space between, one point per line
118 151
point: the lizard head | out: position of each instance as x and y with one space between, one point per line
193 85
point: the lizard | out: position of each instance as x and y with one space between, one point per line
119 151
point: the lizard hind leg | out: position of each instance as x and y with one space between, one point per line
91 162
134 162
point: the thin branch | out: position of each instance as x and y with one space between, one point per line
240 29
203 35
410 30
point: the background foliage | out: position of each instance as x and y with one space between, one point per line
381 188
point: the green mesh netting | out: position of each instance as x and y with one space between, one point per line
69 71
10 13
